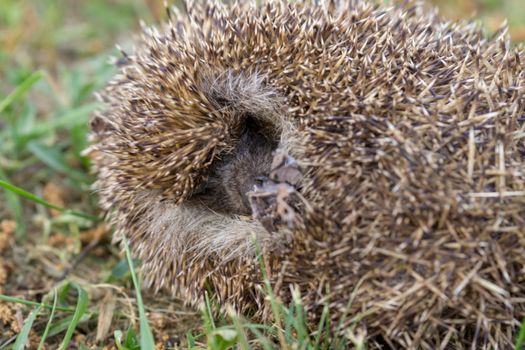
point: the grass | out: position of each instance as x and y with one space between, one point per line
53 57
233 332
146 337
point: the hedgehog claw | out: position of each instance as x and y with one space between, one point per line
272 197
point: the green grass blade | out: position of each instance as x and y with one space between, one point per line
241 334
298 318
321 327
15 206
9 299
20 89
49 322
54 159
520 341
190 340
62 325
28 195
21 339
275 304
36 199
265 342
146 336
208 314
66 120
80 310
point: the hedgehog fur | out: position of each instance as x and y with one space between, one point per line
408 220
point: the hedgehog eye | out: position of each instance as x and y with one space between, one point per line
260 180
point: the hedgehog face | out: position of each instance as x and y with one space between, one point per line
239 171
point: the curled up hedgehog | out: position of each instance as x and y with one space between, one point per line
374 156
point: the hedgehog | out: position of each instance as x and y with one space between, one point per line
371 157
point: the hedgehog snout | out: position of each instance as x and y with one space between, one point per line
240 171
